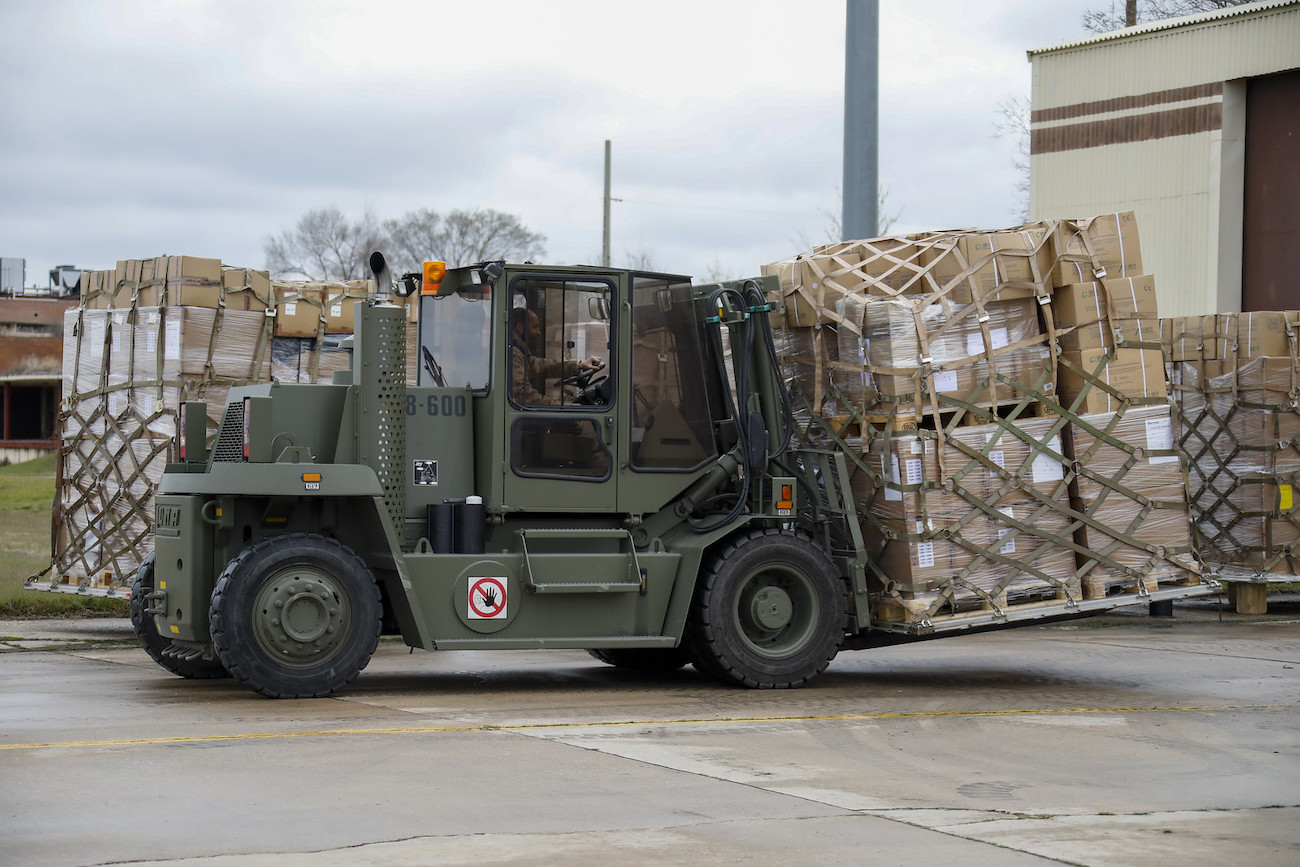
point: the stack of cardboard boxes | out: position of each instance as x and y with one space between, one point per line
988 381
148 335
1235 379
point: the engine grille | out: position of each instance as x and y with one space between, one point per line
229 447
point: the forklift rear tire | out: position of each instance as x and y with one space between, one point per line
153 642
768 613
662 659
296 616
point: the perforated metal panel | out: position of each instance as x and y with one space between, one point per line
229 447
382 424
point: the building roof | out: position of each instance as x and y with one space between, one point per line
1166 24
31 378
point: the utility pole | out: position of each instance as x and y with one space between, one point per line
604 247
860 217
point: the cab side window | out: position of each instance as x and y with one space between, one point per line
560 368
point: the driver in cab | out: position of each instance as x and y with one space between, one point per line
528 373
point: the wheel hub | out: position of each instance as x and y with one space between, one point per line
771 608
300 615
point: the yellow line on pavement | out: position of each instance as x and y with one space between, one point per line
445 729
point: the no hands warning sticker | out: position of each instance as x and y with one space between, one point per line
487 599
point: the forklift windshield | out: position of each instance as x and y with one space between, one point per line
455 336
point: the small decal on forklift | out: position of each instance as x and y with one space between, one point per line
426 472
487 599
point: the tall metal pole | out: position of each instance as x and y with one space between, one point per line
860 218
604 248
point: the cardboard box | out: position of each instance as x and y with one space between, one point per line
246 288
1136 374
1192 338
990 266
340 300
1149 458
240 351
299 310
1098 300
1035 536
85 350
884 267
1264 381
185 281
1084 249
1133 534
1106 334
98 289
986 458
1259 333
134 283
895 336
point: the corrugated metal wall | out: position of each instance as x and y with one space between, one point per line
1151 122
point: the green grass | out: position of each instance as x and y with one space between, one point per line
26 502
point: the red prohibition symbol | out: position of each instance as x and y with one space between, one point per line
487 598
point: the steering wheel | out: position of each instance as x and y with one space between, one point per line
593 390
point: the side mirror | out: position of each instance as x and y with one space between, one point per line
598 308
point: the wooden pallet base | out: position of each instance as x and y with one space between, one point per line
894 609
1099 586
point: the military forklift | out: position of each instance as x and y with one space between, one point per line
590 458
645 506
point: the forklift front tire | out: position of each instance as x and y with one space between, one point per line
769 612
296 616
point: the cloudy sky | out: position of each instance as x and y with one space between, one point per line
133 129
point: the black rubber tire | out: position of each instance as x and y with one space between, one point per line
769 612
296 616
154 643
662 659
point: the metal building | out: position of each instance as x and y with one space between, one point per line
1193 124
13 275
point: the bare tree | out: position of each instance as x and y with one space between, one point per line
1013 122
324 245
640 259
833 228
413 239
1104 20
462 238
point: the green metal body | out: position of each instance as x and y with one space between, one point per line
562 556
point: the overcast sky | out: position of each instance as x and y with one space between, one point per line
134 129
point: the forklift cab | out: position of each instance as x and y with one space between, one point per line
550 436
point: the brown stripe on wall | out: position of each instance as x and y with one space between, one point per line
1126 103
1123 130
